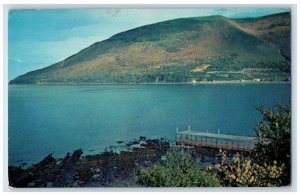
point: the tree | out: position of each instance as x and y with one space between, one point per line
274 138
178 170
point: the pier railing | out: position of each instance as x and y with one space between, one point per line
215 140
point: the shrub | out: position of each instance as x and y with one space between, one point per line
239 172
178 170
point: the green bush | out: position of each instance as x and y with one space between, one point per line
178 170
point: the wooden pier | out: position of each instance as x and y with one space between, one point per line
215 140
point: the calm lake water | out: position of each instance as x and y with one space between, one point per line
61 119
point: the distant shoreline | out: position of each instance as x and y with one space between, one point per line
164 83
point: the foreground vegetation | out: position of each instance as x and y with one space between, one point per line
178 170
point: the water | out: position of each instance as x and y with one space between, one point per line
60 119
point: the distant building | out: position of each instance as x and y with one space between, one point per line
257 79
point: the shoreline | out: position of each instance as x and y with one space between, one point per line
104 169
159 83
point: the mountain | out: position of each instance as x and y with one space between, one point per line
180 50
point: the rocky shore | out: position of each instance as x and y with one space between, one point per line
107 169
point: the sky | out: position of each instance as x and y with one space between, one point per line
39 38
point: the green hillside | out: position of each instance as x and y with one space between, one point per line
181 50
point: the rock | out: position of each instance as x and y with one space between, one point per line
142 138
31 184
75 184
135 142
49 184
96 176
67 168
97 170
46 161
217 167
77 153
